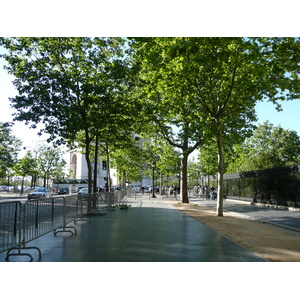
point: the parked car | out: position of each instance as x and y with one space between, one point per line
79 188
3 188
83 192
63 191
38 193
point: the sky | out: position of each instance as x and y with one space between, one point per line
28 136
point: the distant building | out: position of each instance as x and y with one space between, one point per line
77 166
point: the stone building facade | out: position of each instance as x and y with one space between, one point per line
77 166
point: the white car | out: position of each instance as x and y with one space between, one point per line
79 188
83 192
38 193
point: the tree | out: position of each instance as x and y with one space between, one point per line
25 167
164 155
49 162
223 78
234 74
166 108
9 149
208 156
128 161
67 84
269 146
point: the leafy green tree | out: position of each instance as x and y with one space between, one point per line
208 157
49 162
269 146
164 155
67 84
129 162
220 80
167 110
9 149
25 167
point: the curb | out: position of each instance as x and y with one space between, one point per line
296 209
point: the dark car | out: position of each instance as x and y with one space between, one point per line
63 191
38 193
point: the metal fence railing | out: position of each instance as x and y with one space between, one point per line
39 217
277 186
23 223
112 198
10 224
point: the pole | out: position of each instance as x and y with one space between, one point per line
153 166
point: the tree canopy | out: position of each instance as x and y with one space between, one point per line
269 146
71 85
9 149
215 82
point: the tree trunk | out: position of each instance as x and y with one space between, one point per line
161 184
22 185
90 170
184 182
220 171
95 168
108 172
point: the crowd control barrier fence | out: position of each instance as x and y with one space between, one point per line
10 224
112 198
23 223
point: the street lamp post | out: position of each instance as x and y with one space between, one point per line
153 167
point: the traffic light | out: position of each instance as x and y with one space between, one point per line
103 164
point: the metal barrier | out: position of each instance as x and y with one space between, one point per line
70 213
10 224
121 196
85 206
109 198
37 218
21 224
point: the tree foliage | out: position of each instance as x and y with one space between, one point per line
219 80
188 90
9 149
49 162
269 146
68 84
167 110
25 167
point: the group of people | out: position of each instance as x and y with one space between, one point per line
174 190
167 190
207 191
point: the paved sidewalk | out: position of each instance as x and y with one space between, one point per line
286 219
150 231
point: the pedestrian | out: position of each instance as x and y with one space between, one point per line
207 192
171 190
